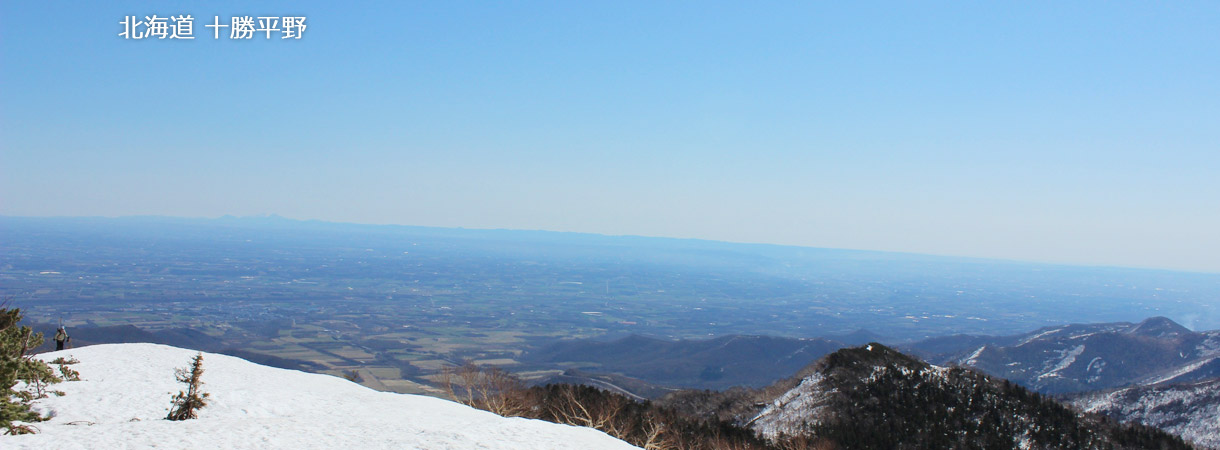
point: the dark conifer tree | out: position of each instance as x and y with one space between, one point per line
16 366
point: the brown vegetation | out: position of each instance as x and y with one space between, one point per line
487 388
186 404
642 424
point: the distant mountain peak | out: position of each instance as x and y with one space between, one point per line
868 355
1159 327
858 337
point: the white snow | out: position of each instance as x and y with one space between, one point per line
1190 410
973 359
791 412
1163 377
1039 335
1068 357
1210 346
1094 369
125 393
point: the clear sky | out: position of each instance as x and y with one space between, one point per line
1078 132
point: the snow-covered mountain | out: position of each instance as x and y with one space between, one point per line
1079 358
876 397
125 393
1190 410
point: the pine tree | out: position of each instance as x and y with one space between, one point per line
16 365
185 404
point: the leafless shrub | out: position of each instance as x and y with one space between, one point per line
603 415
639 423
656 437
487 388
16 429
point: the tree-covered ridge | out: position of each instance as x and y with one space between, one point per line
874 397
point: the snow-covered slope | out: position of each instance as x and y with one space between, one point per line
1089 357
125 393
1190 410
793 411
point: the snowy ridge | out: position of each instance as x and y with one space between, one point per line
1088 357
1190 410
793 411
1178 372
125 390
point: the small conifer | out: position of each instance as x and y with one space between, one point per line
186 404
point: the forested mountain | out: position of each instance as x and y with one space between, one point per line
876 397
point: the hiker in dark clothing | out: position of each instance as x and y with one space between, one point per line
61 337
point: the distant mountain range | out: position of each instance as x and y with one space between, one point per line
717 363
177 337
1170 374
1078 358
1051 360
128 334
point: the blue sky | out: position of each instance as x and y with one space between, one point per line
1080 133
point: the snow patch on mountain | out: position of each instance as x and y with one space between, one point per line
125 392
806 405
1094 369
1039 335
1210 344
1178 372
1066 359
973 359
795 410
1190 410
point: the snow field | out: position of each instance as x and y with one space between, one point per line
125 394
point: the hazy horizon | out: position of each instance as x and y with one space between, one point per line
679 238
1078 134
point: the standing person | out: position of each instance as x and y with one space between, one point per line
61 336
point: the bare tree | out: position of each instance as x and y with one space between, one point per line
487 388
610 414
655 436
